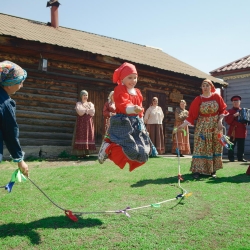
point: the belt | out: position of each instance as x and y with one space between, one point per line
208 115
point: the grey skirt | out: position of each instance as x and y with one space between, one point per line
129 132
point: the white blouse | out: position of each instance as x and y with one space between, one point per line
87 108
153 115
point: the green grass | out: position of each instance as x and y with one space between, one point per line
216 216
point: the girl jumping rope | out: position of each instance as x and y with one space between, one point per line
126 140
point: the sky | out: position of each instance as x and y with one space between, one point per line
203 34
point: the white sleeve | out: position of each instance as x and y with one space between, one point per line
130 109
79 109
146 116
91 110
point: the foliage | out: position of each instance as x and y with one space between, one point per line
33 158
65 155
216 216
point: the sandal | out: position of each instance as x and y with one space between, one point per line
213 174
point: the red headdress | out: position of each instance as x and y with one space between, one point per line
211 84
124 70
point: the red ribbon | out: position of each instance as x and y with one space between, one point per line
71 215
180 177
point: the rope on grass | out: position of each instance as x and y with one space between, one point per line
18 176
72 214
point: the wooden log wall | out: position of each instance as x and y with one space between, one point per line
45 105
189 89
46 116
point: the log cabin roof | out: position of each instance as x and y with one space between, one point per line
240 65
97 44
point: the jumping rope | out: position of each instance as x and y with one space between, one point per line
72 214
18 176
223 138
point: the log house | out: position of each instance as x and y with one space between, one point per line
79 60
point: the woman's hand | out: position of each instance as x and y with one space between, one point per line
24 168
220 126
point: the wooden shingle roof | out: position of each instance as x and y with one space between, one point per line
241 64
70 38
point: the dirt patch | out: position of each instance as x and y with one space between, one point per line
51 163
55 164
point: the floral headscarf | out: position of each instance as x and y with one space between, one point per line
11 74
211 84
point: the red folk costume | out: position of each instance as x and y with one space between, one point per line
236 129
237 132
127 143
123 99
84 138
207 154
108 108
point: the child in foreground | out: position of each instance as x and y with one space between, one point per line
126 140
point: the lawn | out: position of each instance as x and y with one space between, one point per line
215 216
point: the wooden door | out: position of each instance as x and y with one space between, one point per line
161 99
161 102
98 96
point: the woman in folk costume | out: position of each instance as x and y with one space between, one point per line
182 136
127 140
209 110
84 138
12 77
153 119
108 110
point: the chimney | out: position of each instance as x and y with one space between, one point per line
54 4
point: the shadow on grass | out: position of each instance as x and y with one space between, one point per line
240 178
31 229
160 181
235 163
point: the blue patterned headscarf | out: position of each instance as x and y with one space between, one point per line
11 74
